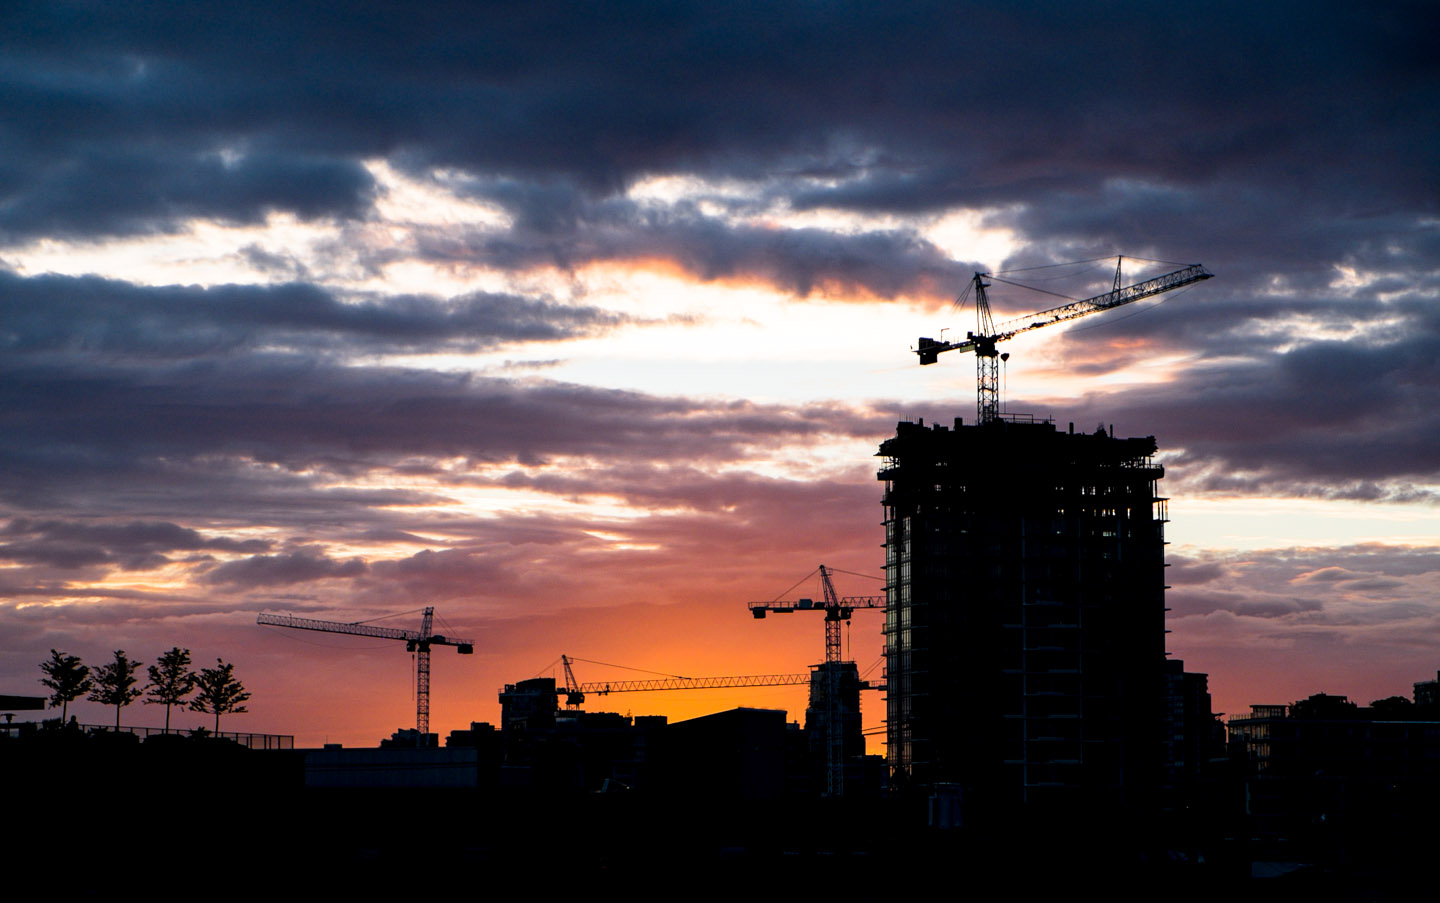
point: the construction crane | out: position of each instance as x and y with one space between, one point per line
987 333
416 641
838 610
575 691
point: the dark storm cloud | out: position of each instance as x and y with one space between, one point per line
270 433
299 566
94 316
153 189
1264 239
135 545
1325 387
231 109
1346 420
572 232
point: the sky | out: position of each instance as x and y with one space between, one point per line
582 323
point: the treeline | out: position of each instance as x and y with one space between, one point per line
213 691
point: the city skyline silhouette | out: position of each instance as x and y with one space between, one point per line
584 327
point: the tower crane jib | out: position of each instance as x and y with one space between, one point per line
575 691
416 641
987 333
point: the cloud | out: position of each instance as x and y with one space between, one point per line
246 439
1272 401
283 422
1357 584
298 566
857 107
135 545
1365 626
93 316
130 190
560 226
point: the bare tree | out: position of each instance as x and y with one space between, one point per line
219 692
115 684
171 680
67 678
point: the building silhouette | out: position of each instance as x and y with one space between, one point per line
1427 693
1025 615
835 697
1194 737
1347 787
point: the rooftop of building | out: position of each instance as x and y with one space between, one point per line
1014 443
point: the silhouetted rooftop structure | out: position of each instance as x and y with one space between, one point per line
1427 692
739 754
1341 785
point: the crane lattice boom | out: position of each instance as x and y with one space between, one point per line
575 691
693 683
987 333
358 629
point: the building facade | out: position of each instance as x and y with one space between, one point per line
1025 613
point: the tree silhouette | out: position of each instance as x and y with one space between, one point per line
115 684
67 678
170 681
219 692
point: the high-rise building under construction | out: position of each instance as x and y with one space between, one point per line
1024 617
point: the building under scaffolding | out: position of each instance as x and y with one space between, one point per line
835 698
1025 613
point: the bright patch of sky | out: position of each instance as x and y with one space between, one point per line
405 199
206 253
964 236
1252 524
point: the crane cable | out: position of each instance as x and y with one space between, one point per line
550 667
1042 291
383 617
853 574
628 668
1032 288
1068 263
795 584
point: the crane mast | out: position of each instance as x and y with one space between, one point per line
987 333
838 610
416 641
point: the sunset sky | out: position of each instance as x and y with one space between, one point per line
582 323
